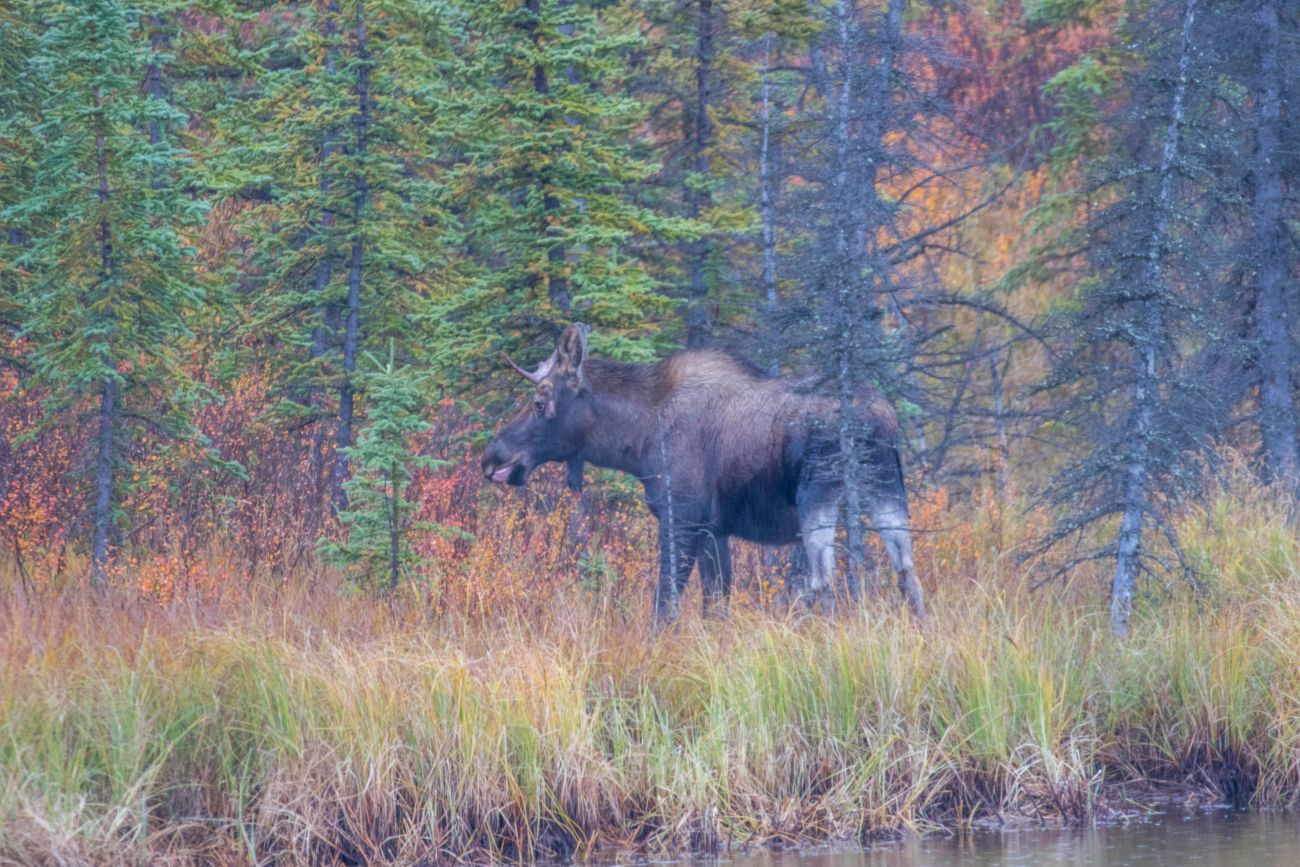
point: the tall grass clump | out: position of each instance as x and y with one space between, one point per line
272 724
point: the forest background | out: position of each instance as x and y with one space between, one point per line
260 262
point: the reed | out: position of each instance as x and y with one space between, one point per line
310 725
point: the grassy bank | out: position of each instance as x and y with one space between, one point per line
314 727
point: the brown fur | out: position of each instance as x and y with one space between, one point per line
721 449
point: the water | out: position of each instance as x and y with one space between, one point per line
1205 838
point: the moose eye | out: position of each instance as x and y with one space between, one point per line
539 406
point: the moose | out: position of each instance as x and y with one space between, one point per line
721 449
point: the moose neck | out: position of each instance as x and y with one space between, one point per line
625 405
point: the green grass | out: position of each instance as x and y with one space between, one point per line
324 728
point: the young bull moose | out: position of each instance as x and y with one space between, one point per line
721 450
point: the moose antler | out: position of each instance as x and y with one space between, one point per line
538 375
525 374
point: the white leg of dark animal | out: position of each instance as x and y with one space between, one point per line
817 519
715 573
891 521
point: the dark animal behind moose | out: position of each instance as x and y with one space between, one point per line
722 451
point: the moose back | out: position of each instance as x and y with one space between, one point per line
721 450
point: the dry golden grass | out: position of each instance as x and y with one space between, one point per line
299 723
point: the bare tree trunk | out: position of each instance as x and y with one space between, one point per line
700 132
858 217
350 336
996 375
1277 411
848 298
1146 385
877 213
767 211
878 95
108 409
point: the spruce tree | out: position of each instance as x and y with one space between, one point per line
113 282
376 549
352 241
861 124
1149 333
545 181
703 58
19 96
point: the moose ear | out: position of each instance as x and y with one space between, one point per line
570 351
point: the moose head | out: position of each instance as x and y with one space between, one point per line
554 424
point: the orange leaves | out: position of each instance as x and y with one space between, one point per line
35 477
508 550
483 550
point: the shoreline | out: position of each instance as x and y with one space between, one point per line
320 728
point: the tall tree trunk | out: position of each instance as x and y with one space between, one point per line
1149 336
104 483
394 531
878 96
153 77
876 210
1277 410
848 300
348 389
328 322
996 376
700 134
873 217
108 409
767 201
768 183
859 216
557 286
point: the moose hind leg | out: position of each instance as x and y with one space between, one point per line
891 521
715 573
818 515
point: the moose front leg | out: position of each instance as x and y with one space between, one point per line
573 469
715 573
579 526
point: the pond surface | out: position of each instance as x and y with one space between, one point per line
1205 838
